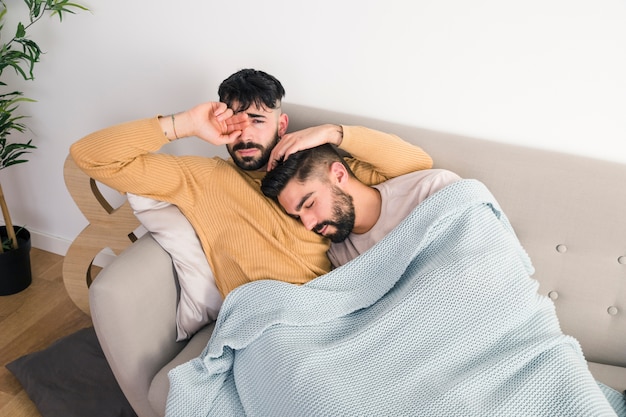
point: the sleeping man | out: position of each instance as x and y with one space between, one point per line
318 188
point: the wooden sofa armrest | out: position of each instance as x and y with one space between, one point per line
107 228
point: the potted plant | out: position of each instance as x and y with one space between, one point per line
19 53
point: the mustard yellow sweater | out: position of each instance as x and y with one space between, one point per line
245 235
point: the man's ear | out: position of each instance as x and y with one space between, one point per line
338 173
283 123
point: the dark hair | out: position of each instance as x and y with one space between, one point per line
249 86
301 166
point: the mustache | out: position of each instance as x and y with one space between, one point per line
318 228
247 145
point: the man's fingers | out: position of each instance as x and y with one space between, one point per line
237 122
237 125
232 136
276 155
221 111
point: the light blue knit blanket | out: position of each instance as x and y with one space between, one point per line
440 318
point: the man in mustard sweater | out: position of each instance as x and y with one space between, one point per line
245 235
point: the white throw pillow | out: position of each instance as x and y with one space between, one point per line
200 300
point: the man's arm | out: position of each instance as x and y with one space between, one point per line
123 157
375 156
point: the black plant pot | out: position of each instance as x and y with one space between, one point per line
15 272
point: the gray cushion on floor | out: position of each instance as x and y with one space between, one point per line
72 378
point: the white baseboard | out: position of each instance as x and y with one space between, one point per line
60 246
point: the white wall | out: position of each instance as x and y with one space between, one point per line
544 73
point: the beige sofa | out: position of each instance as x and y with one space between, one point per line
568 212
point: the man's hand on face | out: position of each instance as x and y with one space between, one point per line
305 139
212 122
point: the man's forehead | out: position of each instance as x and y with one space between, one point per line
296 193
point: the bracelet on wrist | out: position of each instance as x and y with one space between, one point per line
174 125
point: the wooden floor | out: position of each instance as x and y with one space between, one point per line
30 321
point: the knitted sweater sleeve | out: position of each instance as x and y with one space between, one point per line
123 157
378 156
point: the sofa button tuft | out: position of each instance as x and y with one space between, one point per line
553 295
561 248
612 310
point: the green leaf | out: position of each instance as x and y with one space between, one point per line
10 154
21 31
35 9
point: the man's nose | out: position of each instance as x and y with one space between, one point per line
246 134
309 221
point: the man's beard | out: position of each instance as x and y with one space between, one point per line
251 163
344 217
